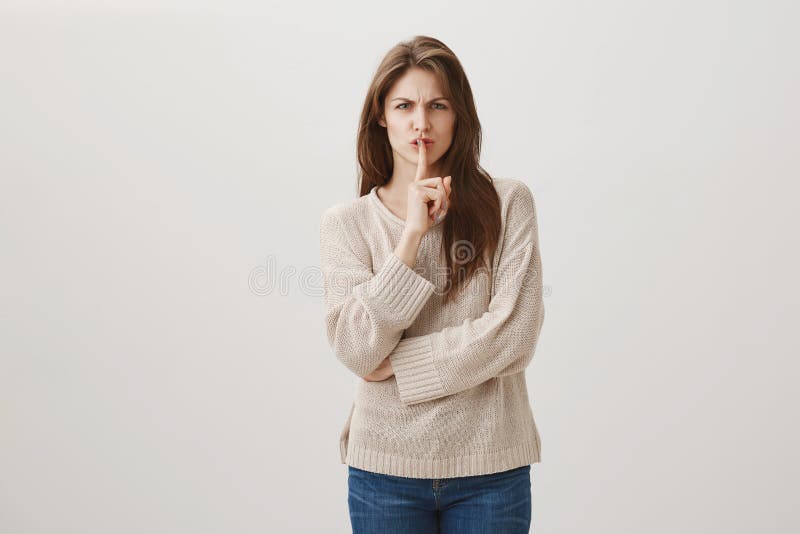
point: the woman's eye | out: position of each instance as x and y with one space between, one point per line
435 104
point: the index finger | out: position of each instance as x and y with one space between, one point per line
422 161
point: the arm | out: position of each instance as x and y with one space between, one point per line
366 312
498 343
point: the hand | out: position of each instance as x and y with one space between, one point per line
383 372
427 197
442 211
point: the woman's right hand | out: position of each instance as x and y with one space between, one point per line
427 197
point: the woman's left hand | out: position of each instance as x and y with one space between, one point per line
383 372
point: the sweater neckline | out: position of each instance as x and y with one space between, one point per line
373 194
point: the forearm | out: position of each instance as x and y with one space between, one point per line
367 309
408 247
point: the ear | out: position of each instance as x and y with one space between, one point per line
382 122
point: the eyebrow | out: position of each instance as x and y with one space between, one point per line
404 98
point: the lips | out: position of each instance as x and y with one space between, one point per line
426 140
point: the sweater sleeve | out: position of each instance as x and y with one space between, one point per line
365 312
498 343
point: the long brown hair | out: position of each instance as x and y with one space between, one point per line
471 228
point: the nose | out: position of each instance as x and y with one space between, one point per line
421 119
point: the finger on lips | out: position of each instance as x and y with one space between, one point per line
442 186
422 160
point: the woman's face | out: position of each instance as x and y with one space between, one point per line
415 107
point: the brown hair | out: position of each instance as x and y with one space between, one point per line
471 228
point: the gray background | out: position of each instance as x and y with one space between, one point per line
164 165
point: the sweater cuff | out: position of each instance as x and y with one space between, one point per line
400 290
417 378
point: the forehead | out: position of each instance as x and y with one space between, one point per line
416 83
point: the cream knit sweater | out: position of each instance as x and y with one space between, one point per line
458 403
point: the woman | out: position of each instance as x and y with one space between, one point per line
440 437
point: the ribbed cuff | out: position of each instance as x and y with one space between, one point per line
399 289
417 378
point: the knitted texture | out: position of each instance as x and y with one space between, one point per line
458 403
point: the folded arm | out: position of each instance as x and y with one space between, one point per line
365 312
498 343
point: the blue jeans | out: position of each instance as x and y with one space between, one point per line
498 503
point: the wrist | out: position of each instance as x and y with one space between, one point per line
411 236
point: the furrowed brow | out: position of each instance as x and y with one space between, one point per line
410 100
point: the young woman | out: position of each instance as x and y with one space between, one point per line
433 295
